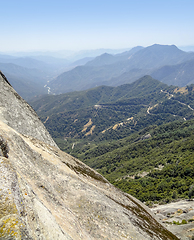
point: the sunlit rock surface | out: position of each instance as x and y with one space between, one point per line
47 194
16 113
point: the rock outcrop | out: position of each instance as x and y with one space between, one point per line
19 115
47 194
178 217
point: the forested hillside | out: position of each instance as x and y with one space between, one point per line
155 164
139 135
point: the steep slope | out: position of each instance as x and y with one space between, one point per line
128 77
179 75
81 61
17 114
47 194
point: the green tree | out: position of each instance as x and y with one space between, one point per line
191 191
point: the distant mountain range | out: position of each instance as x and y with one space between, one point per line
29 75
181 74
69 55
28 82
41 74
108 59
114 70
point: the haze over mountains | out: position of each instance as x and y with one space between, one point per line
34 74
30 72
28 75
123 68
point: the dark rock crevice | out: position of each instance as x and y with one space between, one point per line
4 149
4 77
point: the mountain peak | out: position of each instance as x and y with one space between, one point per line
103 59
164 47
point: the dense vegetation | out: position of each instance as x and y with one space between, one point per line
104 107
154 164
139 136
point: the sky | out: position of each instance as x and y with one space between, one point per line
33 25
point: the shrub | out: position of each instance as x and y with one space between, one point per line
191 220
184 221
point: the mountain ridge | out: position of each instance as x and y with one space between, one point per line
108 59
147 59
180 74
98 95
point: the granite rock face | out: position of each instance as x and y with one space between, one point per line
48 195
19 115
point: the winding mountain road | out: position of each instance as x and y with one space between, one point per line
169 97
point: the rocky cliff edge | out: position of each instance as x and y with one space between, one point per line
47 194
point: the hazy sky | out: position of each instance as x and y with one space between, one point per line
91 24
